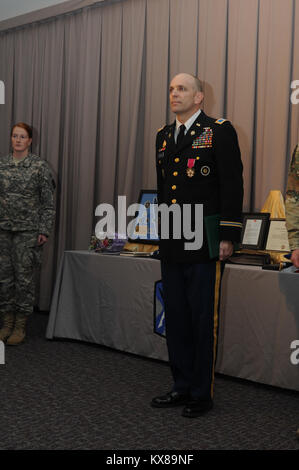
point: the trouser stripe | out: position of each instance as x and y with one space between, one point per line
216 318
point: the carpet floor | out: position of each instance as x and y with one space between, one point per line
71 395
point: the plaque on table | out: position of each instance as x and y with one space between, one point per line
144 228
254 231
251 259
277 239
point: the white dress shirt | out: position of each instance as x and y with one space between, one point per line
187 124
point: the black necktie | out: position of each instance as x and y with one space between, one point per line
181 135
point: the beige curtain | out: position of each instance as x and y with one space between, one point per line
93 81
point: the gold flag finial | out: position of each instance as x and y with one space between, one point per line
275 205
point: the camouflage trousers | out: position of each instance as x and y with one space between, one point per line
19 258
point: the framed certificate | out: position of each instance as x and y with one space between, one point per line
255 230
145 227
277 239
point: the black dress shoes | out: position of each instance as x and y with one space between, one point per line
170 399
195 408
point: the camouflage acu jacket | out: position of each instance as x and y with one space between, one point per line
26 195
292 201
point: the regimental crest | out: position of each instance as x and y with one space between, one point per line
205 139
159 310
163 148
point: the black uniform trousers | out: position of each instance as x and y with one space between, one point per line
191 295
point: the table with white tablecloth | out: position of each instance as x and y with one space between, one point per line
110 300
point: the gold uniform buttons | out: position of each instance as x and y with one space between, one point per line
173 201
173 187
177 160
175 173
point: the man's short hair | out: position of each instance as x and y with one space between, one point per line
198 84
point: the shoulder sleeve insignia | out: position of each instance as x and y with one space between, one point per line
220 121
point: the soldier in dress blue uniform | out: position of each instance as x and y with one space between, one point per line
199 163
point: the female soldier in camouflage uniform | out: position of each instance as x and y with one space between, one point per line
26 218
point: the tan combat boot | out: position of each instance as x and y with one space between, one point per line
7 327
19 331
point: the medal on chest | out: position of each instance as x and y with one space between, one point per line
190 167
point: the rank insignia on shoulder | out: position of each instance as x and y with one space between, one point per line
220 121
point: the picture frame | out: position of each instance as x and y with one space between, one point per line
145 227
255 230
277 238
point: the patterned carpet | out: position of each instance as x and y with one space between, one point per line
73 395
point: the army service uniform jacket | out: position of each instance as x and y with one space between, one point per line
292 201
26 195
206 169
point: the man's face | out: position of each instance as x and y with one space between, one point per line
183 95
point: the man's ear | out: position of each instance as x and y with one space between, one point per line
199 97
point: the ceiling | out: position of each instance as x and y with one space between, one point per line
12 8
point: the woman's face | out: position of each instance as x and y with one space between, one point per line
20 140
